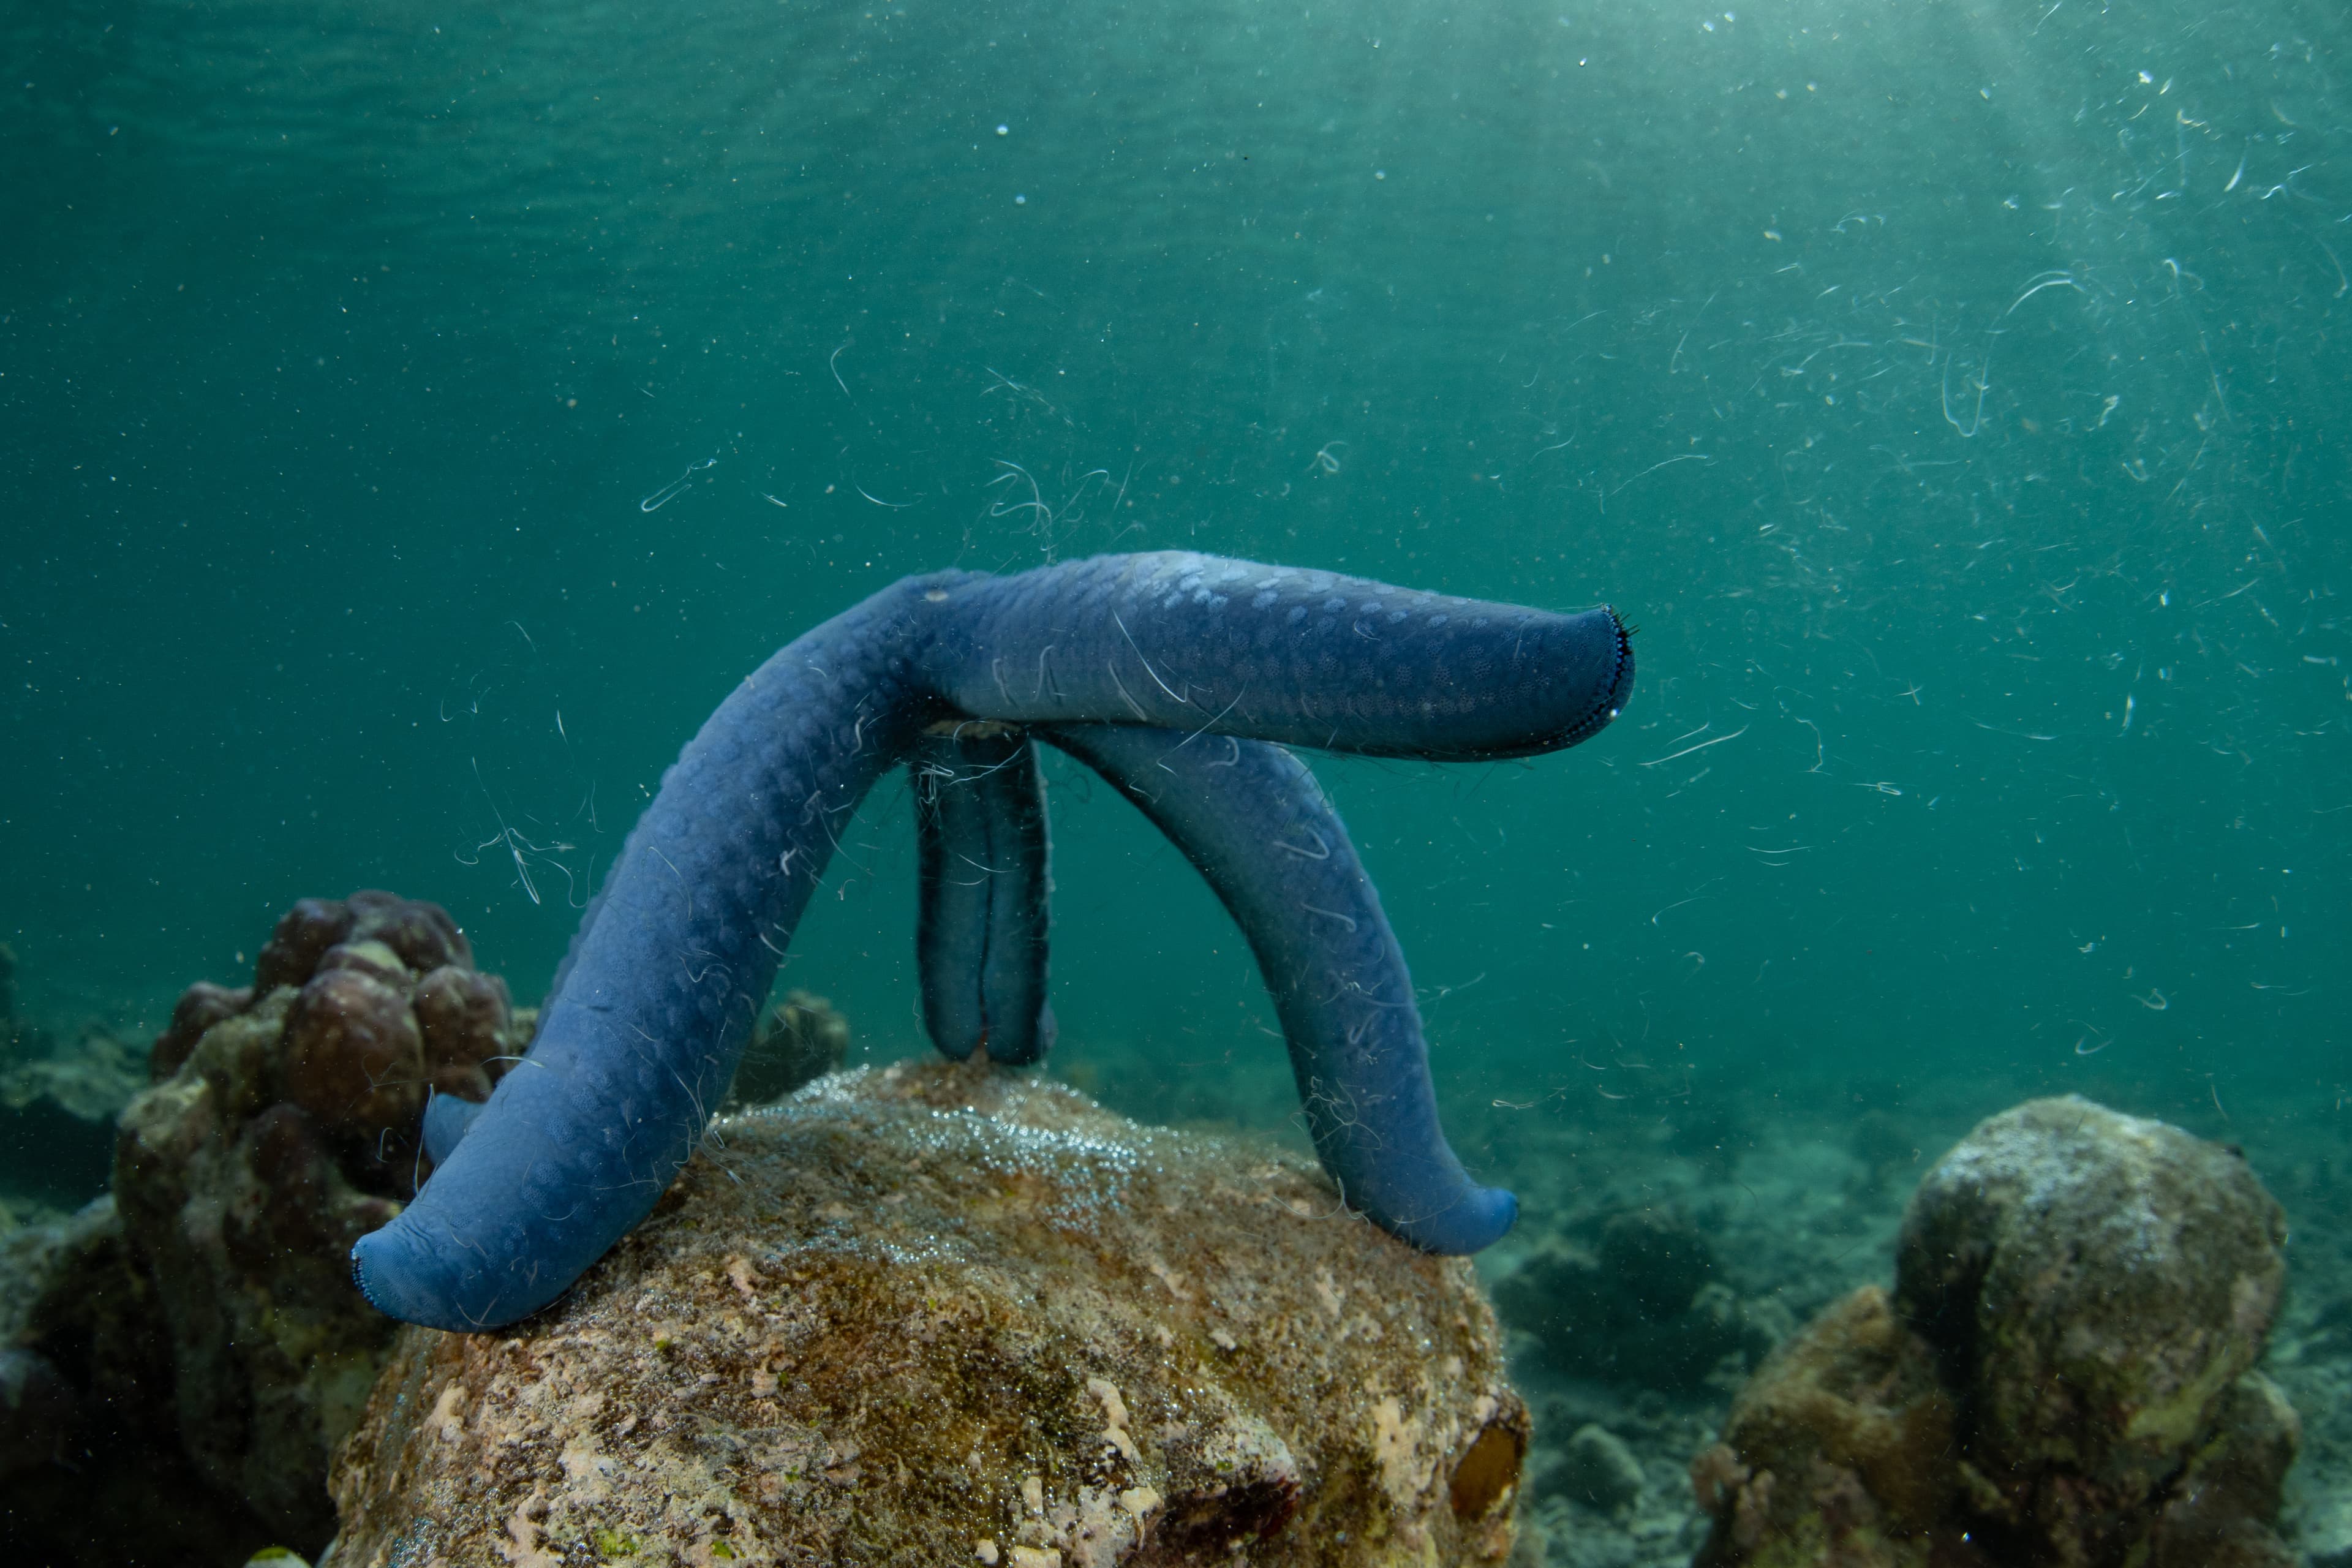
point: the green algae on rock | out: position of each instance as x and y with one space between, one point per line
940 1313
2095 1284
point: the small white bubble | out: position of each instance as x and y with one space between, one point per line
1021 201
1004 131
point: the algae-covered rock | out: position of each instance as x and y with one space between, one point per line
2095 1284
1840 1449
2219 1510
2063 1376
946 1314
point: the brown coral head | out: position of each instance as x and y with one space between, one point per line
354 1056
1715 1476
282 1149
200 1007
465 1018
420 936
421 933
369 957
304 934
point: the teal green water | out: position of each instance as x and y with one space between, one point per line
414 419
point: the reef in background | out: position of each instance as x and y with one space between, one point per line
946 1313
2063 1375
62 1089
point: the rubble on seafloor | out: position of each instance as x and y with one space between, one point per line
946 1313
2064 1373
1636 1298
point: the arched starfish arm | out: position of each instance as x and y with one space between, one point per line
1254 820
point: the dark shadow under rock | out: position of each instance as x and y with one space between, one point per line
94 1474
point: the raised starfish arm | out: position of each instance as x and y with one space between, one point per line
650 1010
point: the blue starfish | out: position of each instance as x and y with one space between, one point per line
1169 674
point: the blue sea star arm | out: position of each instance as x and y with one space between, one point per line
1254 820
982 868
1278 653
642 1035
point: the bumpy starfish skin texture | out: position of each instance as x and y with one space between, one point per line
640 1034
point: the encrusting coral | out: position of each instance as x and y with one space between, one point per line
944 1313
1838 1450
2063 1375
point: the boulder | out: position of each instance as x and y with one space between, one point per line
2095 1285
944 1314
2063 1375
